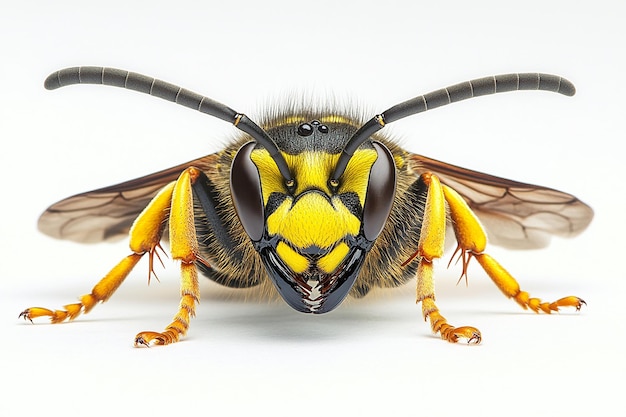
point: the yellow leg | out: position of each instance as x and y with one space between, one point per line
101 292
472 241
430 247
175 201
145 236
184 248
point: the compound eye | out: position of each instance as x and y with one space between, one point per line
381 191
245 189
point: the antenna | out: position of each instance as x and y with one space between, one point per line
452 94
170 92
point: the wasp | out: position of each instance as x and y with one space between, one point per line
314 204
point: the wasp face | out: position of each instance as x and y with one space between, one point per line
315 236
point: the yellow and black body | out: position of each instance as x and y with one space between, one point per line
315 203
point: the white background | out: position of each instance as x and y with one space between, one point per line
375 357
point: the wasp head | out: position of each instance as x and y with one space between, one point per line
313 232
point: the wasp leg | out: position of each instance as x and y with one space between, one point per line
145 236
184 248
430 247
472 240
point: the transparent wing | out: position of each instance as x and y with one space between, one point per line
107 214
516 215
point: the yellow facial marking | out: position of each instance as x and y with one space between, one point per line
331 261
357 173
271 179
293 259
312 170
